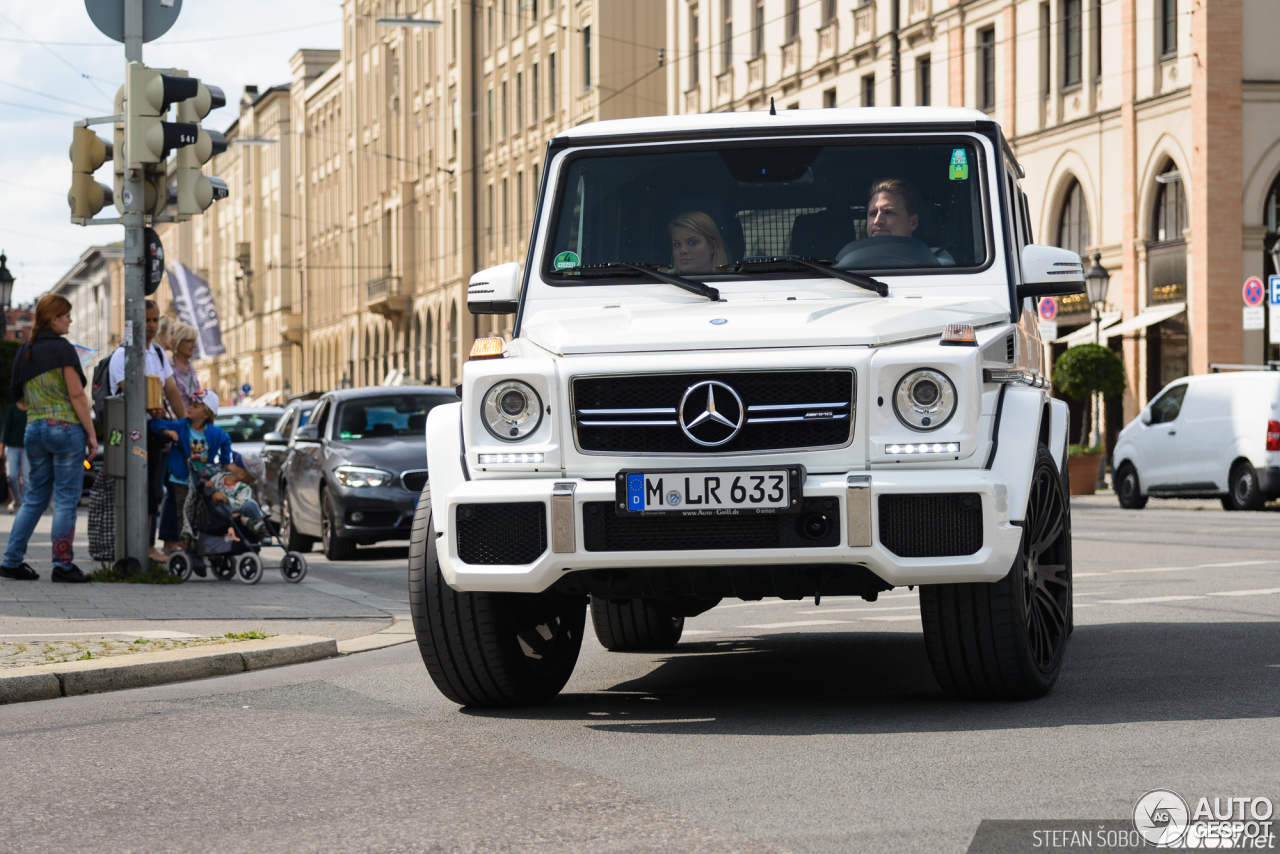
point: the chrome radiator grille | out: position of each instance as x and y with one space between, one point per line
713 413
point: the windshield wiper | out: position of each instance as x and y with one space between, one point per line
616 268
819 264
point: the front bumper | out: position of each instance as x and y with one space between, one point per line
565 551
380 513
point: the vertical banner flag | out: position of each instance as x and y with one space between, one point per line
194 302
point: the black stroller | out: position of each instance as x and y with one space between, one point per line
227 547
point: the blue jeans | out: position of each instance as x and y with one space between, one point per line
56 451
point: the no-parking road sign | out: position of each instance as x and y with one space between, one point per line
1049 307
1254 293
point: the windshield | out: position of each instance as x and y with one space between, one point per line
864 207
247 426
384 415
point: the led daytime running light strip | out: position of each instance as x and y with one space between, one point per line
925 448
500 459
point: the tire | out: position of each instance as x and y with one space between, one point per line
1129 488
293 541
180 565
1244 494
293 566
249 568
335 547
628 625
489 650
1005 641
222 567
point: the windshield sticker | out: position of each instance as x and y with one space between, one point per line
959 165
345 435
566 260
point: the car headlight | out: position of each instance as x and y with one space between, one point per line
924 399
512 410
359 476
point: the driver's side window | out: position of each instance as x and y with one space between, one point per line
1167 406
285 426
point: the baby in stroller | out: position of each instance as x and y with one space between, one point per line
231 498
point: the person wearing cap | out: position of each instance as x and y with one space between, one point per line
200 443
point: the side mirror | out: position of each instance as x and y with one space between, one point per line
495 290
274 439
307 433
1146 417
1048 271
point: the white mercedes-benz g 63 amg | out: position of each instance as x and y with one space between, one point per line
755 355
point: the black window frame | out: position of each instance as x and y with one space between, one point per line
546 254
924 80
986 56
1168 28
1072 44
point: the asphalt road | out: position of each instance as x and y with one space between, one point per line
772 727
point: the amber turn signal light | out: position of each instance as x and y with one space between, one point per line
487 348
959 335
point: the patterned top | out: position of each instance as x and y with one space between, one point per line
47 398
236 491
188 382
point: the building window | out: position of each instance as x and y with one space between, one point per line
1168 27
1171 207
535 104
924 81
1071 43
726 36
506 214
489 124
829 99
828 10
489 34
506 111
1073 221
793 20
506 20
552 90
1046 74
519 101
488 232
695 45
586 58
1095 25
519 205
869 90
757 29
987 69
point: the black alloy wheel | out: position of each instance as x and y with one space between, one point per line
489 650
335 547
293 541
1006 640
1128 489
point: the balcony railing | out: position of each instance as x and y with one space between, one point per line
828 40
724 88
755 73
864 24
791 57
383 296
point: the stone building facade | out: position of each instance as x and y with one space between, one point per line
95 287
1149 131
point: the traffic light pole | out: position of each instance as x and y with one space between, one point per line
137 522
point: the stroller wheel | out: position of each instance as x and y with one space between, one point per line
293 567
223 568
249 568
180 564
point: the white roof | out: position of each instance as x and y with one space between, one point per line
740 121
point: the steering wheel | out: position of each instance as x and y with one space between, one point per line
881 252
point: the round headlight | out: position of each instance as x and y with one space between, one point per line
924 399
512 410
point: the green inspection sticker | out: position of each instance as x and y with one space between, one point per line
565 261
959 165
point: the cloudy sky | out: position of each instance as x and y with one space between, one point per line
56 67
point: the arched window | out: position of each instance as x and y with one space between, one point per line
417 346
1073 221
368 349
453 343
1170 212
431 377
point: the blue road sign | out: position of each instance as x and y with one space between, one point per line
246 388
1273 288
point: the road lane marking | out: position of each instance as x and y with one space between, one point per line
1174 568
893 618
699 632
1149 599
795 624
869 609
1246 592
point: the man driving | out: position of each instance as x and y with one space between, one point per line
893 215
891 210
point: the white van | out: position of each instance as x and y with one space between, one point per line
1214 435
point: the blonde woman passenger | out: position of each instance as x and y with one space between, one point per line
696 244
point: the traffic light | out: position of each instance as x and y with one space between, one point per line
196 191
118 151
88 152
148 95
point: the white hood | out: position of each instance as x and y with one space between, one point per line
758 323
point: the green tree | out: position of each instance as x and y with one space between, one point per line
1086 370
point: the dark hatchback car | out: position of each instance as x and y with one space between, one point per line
353 472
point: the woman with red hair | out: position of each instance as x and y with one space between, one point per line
48 376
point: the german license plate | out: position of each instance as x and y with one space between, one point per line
710 492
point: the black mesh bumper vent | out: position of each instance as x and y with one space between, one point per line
414 480
784 409
502 533
604 531
946 525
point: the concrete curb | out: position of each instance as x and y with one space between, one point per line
116 673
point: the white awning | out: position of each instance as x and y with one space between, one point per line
1084 335
1150 317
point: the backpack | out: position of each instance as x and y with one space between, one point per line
100 392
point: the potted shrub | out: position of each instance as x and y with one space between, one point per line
1079 374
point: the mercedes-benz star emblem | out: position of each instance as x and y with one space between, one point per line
711 413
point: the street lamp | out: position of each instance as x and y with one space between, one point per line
6 291
1096 280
